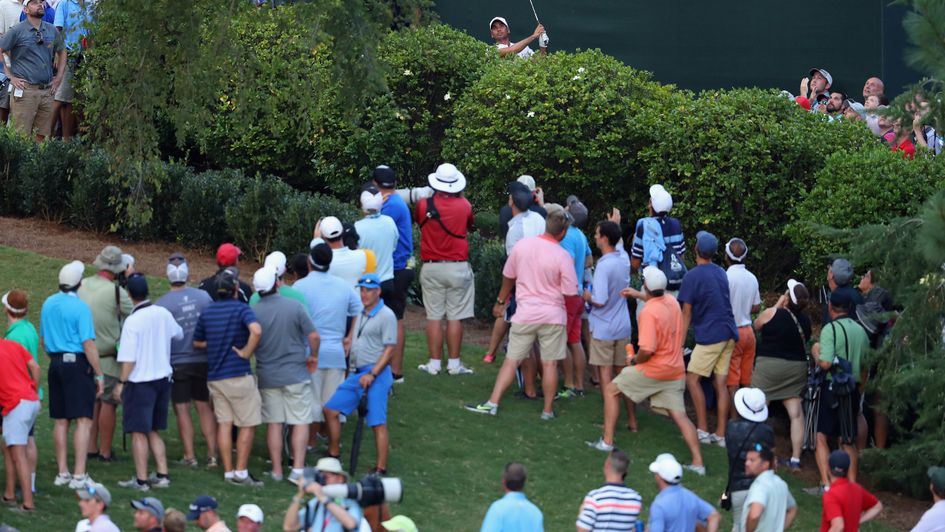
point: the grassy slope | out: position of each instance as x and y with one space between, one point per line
450 460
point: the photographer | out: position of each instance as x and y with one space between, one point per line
322 513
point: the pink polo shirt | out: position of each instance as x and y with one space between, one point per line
544 274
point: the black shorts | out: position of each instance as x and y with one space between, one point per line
828 413
190 383
71 387
395 292
145 405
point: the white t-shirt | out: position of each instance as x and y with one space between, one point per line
10 11
348 264
523 225
743 293
524 54
146 341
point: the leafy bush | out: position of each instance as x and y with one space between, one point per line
50 168
859 188
15 151
199 214
738 162
254 217
487 257
158 192
90 207
302 211
566 119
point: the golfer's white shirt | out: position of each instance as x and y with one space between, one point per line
524 54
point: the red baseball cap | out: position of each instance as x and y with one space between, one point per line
803 102
228 255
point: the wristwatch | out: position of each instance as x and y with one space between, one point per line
499 301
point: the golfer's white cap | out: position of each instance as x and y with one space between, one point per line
500 19
252 512
667 468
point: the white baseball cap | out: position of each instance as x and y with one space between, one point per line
331 227
252 512
790 286
751 404
500 19
71 274
371 201
661 199
667 468
528 181
654 278
264 279
276 260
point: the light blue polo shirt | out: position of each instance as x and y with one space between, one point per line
379 233
330 301
513 513
576 245
611 321
65 322
73 20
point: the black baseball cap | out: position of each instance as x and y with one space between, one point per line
137 287
384 176
320 257
839 462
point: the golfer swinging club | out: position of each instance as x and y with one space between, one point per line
500 32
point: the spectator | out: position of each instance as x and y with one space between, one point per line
768 505
853 111
836 103
839 279
706 304
873 87
347 264
540 290
513 511
499 29
34 46
650 249
846 504
203 511
613 506
286 357
330 303
144 384
110 306
72 18
535 204
22 331
743 434
902 140
174 521
575 243
675 508
19 381
925 135
781 366
75 377
371 350
297 268
249 518
189 364
446 278
396 298
229 331
228 259
10 11
933 520
657 371
276 261
94 500
746 300
845 339
816 84
609 318
322 512
399 523
149 514
49 7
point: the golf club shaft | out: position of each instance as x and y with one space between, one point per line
530 2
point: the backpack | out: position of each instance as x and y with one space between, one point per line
657 253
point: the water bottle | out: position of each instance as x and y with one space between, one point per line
640 526
587 305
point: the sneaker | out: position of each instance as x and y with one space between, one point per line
697 469
720 441
248 481
522 395
159 482
426 368
188 462
295 477
212 462
600 445
133 484
62 479
489 358
705 437
461 370
483 409
80 481
566 393
577 393
816 491
276 477
548 416
398 379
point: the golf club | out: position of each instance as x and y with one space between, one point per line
543 40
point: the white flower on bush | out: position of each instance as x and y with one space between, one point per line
581 70
407 72
507 97
575 78
399 116
531 114
447 97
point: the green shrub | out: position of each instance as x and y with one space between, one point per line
487 257
90 207
253 217
199 214
15 152
565 119
158 193
302 211
738 162
859 188
48 172
423 66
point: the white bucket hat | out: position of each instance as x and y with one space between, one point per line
447 179
751 404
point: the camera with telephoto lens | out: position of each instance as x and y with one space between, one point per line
369 491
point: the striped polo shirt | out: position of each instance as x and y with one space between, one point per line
612 506
672 236
224 325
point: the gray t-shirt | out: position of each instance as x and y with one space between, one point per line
186 305
372 333
32 50
283 349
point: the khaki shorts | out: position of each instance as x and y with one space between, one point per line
236 400
608 352
448 290
291 404
552 340
108 396
31 114
713 358
324 384
65 93
663 395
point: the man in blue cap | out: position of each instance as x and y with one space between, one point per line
375 337
203 511
704 296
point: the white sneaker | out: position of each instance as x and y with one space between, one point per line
426 368
697 469
600 445
133 484
705 437
62 479
159 482
80 481
295 477
461 370
719 441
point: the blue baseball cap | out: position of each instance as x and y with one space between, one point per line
706 243
369 280
201 504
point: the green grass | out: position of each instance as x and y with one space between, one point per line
450 460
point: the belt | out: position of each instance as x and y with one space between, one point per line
59 354
438 261
37 86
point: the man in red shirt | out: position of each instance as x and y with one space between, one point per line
846 504
446 277
20 404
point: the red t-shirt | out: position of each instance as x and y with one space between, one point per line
847 500
15 382
906 147
435 243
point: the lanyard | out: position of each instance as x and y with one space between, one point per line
366 317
